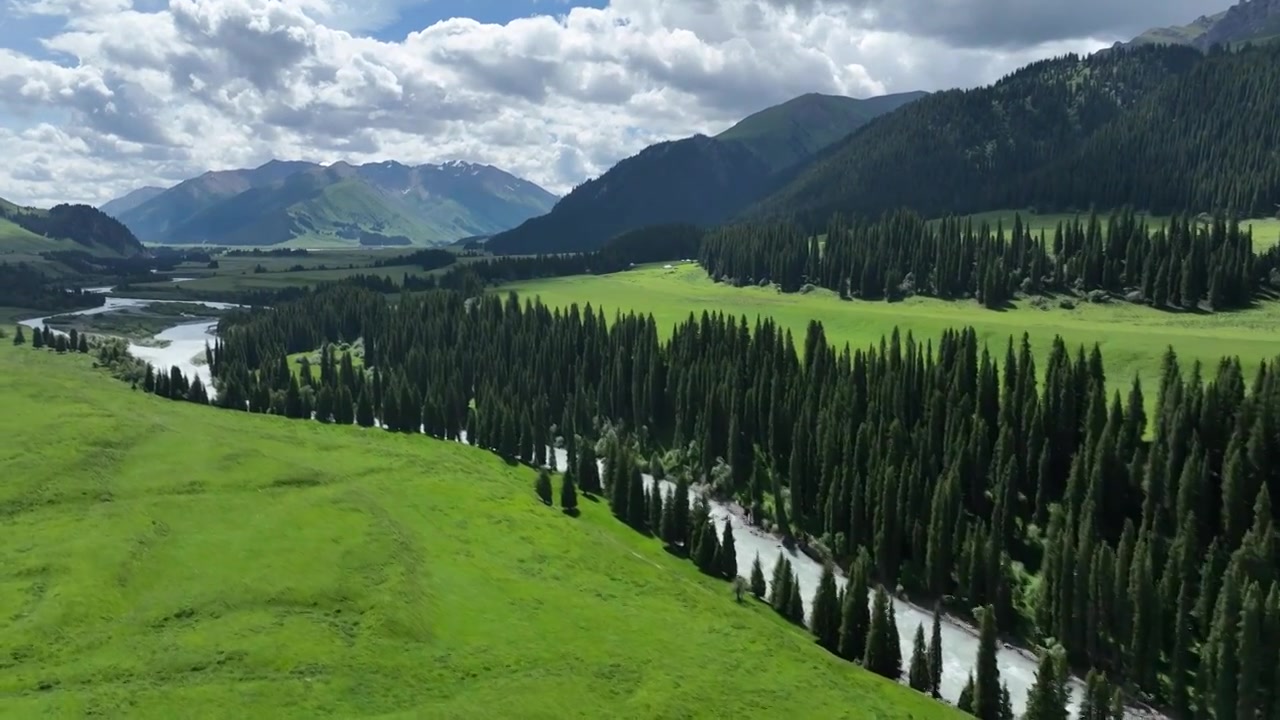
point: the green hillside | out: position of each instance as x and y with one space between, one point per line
785 134
167 560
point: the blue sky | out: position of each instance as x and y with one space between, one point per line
426 12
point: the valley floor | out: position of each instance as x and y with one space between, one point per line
162 559
1133 338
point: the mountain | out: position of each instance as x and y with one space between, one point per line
375 204
698 180
123 204
31 231
1248 21
785 134
1163 128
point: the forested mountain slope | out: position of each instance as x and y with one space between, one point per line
698 180
63 227
1247 21
1161 128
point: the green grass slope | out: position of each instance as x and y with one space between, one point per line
164 560
1133 338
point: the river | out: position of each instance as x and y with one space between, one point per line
959 640
184 343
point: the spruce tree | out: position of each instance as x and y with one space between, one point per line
680 513
82 345
18 337
758 585
708 549
568 493
919 676
1047 698
883 655
986 690
728 554
37 339
795 603
965 702
935 654
855 616
364 410
1252 656
542 485
825 618
656 509
780 585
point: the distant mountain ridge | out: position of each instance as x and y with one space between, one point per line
123 204
1163 128
385 203
698 180
1248 21
32 231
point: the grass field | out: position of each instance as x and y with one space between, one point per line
165 560
1133 338
1266 231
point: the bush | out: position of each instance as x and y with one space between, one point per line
1067 304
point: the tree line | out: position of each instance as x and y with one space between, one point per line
965 476
1188 263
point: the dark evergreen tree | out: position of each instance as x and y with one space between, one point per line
568 493
919 674
826 615
883 655
758 585
986 689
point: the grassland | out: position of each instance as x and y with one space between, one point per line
165 560
1133 338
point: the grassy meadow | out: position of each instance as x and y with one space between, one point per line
1133 338
165 560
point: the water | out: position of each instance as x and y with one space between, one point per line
184 343
959 640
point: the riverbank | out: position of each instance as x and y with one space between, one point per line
180 342
139 324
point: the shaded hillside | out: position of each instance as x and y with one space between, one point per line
785 134
125 203
376 204
1162 128
62 228
697 180
154 219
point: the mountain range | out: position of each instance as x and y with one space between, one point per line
1249 21
700 180
305 203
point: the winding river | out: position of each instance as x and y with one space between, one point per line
959 639
184 345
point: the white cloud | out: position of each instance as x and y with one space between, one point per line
155 97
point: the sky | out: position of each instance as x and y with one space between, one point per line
100 97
